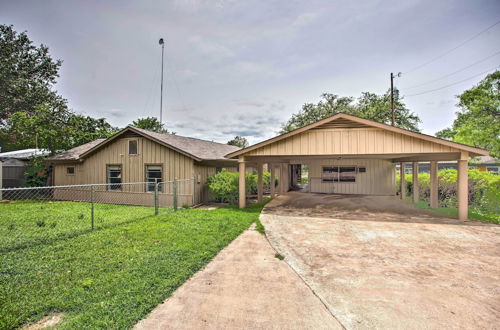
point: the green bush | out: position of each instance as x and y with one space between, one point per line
484 190
223 186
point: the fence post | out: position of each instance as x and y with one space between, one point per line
194 190
156 198
92 207
175 194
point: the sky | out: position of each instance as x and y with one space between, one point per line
244 67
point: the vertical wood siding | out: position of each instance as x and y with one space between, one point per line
353 141
379 178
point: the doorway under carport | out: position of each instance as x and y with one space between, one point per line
350 155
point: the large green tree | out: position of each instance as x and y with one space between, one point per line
53 128
151 124
369 106
27 74
478 120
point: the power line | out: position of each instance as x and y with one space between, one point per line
454 48
455 72
456 83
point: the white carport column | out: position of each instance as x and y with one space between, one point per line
434 184
260 182
463 186
273 179
402 185
242 188
415 182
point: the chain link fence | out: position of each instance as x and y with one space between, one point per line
39 214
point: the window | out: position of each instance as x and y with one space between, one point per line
70 170
361 169
339 174
330 174
153 176
114 177
218 170
132 147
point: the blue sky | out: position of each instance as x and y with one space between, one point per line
243 67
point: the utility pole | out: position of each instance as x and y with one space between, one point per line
393 112
162 43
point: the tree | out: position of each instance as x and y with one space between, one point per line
150 123
54 129
478 120
238 141
369 106
27 74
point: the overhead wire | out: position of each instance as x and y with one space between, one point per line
454 48
455 83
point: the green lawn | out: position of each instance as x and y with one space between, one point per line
111 277
452 212
24 224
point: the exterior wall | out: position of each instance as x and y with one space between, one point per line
202 173
93 169
348 141
379 178
13 173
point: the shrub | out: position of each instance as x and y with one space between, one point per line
223 186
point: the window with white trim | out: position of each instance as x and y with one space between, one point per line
338 174
154 174
114 177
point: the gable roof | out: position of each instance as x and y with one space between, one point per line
360 122
194 148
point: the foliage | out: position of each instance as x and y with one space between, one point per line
484 190
369 106
54 129
478 120
238 141
150 124
224 186
112 277
27 74
36 173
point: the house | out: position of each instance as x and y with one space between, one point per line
138 155
14 165
346 154
481 163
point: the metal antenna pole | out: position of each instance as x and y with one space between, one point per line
393 121
162 43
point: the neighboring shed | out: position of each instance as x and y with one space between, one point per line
14 165
138 155
350 155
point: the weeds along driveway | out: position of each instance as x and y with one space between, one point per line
377 262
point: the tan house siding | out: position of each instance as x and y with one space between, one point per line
379 178
352 141
93 169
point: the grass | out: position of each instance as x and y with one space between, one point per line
279 256
24 224
260 227
112 277
453 213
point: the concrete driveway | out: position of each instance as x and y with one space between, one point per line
379 263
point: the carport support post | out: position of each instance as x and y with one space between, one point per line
402 185
415 182
260 182
242 188
463 186
434 184
273 180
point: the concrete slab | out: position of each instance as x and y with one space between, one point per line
380 263
244 287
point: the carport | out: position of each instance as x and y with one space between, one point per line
351 155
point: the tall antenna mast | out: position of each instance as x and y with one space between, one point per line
162 43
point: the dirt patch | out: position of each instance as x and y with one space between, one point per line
48 321
380 263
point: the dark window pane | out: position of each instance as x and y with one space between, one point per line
70 170
348 174
114 177
132 147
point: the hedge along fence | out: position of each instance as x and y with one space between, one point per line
224 186
484 190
